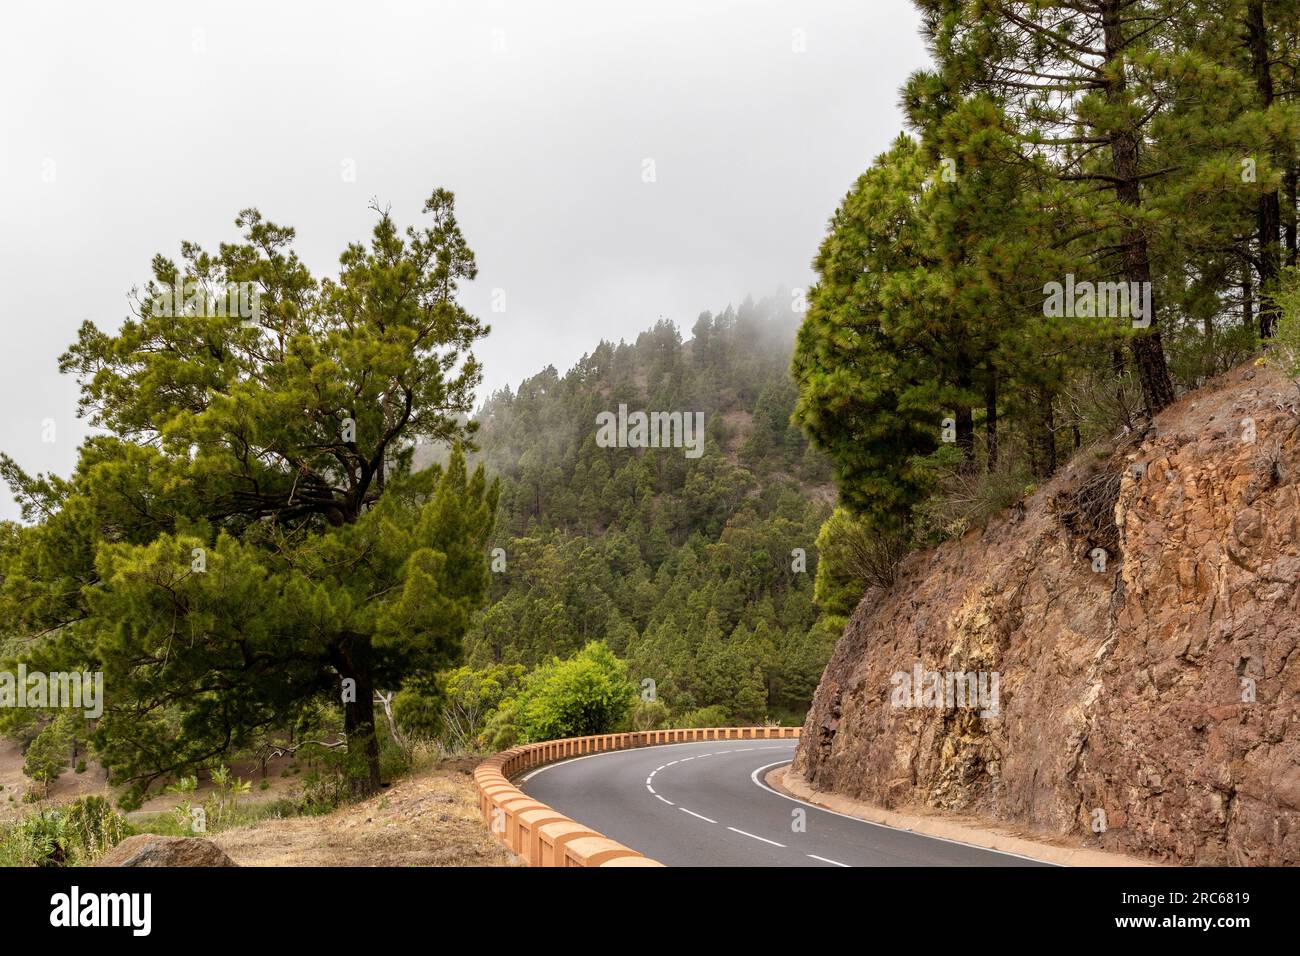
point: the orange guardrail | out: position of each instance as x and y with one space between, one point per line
541 836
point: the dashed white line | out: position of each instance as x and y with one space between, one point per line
814 856
694 814
757 837
669 802
871 823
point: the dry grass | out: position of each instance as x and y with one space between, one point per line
430 819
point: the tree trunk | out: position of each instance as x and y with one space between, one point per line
1148 352
352 660
1289 185
965 419
1045 438
1247 298
991 420
1268 215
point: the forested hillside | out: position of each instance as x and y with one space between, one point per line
697 571
1028 345
1093 210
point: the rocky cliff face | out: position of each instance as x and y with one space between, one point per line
1152 706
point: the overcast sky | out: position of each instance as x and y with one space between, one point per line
127 127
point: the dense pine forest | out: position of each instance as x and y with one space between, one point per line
698 572
1093 207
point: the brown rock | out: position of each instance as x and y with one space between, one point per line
149 849
1125 692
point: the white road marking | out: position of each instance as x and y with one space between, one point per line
694 814
824 860
669 802
529 776
609 753
756 837
785 796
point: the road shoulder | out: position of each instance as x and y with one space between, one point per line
960 831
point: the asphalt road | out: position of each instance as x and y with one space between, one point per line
706 804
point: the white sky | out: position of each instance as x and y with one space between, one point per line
159 121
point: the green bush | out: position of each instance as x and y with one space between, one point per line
323 790
590 693
94 826
417 708
853 558
1287 340
47 755
715 715
394 762
63 836
649 715
471 698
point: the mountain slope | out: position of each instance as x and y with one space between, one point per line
1154 704
696 569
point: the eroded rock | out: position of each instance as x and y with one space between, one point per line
1151 708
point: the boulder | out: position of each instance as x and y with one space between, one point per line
149 849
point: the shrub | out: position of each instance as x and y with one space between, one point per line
1287 340
47 755
590 693
63 836
714 715
323 790
417 708
394 761
853 557
94 826
470 698
649 715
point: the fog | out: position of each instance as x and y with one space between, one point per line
613 163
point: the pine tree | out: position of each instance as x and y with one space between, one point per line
1079 80
247 537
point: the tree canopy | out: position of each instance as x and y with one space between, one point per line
246 537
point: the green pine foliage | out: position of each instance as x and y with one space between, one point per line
1145 142
243 545
681 567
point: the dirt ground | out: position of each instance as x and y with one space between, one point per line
13 784
283 779
429 819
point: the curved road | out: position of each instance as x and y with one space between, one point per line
706 804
